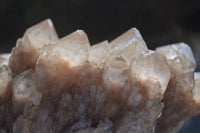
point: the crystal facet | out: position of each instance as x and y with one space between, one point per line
122 50
28 47
5 83
24 91
180 99
59 65
179 103
51 85
4 59
180 57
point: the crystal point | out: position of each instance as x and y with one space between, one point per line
180 57
122 49
28 47
151 69
62 62
132 36
41 33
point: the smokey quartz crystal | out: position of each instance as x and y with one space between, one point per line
52 85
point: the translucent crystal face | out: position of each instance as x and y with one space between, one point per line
4 58
151 69
24 85
28 47
67 86
180 57
72 46
62 62
25 97
41 34
128 44
122 50
130 37
98 54
181 93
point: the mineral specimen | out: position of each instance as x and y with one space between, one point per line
51 85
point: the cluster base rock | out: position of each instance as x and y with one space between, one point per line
52 85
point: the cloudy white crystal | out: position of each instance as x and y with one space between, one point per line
121 51
180 57
28 47
151 68
23 88
62 62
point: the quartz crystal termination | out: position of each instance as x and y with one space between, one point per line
181 97
51 85
59 66
146 89
180 57
28 47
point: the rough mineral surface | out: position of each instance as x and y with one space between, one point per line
51 85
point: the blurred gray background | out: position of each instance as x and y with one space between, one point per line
160 23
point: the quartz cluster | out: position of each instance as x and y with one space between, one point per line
52 85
